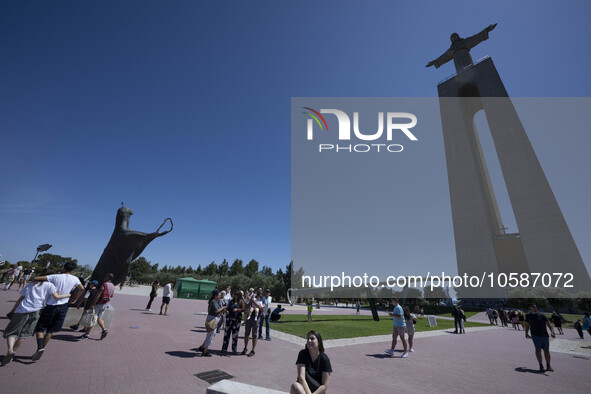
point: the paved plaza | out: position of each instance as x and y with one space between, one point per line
148 353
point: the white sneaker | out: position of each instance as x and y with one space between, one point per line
404 355
389 352
411 350
150 310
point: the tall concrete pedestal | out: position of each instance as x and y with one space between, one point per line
544 243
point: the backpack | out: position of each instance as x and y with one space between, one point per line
109 290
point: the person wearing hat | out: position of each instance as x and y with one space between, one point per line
89 296
266 316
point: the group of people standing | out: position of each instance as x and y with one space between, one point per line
225 309
43 305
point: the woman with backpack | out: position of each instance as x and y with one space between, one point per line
105 293
214 313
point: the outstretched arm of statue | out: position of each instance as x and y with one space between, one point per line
446 57
476 39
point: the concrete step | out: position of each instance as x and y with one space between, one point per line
231 387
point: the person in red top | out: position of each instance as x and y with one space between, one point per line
105 293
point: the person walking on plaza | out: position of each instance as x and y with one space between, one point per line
214 312
537 323
310 309
410 319
462 320
53 315
357 306
9 277
101 303
579 327
398 329
557 321
457 318
587 322
489 313
17 274
313 367
89 304
233 319
22 282
166 296
25 314
521 319
153 294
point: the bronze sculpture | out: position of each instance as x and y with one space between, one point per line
459 50
124 246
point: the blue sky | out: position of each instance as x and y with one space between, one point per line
182 109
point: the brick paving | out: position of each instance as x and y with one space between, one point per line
159 356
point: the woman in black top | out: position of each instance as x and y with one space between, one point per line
214 311
313 367
153 294
235 309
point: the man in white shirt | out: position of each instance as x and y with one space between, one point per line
266 317
54 313
166 296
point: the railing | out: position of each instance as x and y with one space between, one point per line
465 68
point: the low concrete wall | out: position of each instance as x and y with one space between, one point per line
74 315
231 387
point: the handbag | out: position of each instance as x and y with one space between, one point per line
89 318
211 325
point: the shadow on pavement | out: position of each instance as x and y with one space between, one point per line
67 338
182 354
528 370
380 355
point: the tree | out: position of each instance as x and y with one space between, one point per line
211 270
140 270
584 302
57 261
252 267
434 295
267 271
236 268
223 268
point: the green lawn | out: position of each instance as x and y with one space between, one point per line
468 314
351 326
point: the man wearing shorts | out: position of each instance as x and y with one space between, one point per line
166 295
25 314
252 323
538 322
54 313
101 303
399 327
